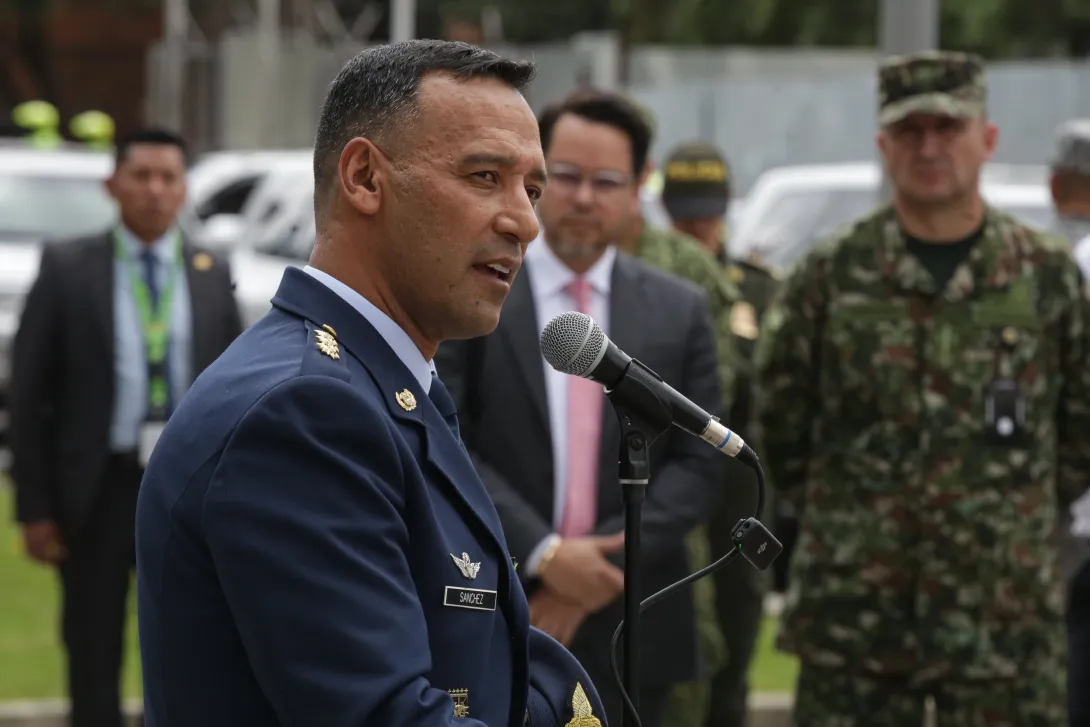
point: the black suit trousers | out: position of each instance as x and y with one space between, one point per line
95 581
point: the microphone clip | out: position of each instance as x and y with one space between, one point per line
756 543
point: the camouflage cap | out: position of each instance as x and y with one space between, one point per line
931 82
696 182
1073 147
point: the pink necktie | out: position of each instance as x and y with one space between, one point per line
585 399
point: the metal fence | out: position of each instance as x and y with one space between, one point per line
765 108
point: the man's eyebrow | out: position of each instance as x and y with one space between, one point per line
502 160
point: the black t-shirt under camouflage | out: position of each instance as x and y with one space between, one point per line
941 259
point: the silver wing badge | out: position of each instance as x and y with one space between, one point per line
469 570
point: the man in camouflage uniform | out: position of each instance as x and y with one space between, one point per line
924 386
683 256
696 193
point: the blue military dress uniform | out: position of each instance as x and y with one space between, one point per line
314 547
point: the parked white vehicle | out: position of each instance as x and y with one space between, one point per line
45 195
789 208
229 197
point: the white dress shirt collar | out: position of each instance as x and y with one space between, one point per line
549 275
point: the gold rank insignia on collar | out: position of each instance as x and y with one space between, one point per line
583 716
406 399
461 702
327 342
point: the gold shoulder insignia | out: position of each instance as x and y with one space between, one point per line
582 716
743 320
202 261
737 275
406 399
327 344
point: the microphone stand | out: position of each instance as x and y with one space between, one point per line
638 432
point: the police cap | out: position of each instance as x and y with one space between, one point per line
695 182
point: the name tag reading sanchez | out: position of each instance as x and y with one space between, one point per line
473 598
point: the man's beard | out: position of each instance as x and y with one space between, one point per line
578 250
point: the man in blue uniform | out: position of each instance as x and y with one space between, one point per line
314 546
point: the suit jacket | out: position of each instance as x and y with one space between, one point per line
297 530
63 377
498 382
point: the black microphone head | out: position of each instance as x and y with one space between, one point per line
573 343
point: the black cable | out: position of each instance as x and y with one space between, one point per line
747 456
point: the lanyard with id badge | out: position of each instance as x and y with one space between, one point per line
155 319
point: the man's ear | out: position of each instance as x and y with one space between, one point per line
358 172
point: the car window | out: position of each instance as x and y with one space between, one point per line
229 199
791 226
39 207
292 241
798 219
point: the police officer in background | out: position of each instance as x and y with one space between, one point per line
925 374
696 193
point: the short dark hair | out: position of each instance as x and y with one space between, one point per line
602 107
149 135
377 91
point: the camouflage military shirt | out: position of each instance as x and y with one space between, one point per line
677 253
923 546
757 288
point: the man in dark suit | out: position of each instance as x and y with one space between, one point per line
314 546
547 444
114 331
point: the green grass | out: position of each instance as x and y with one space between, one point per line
31 663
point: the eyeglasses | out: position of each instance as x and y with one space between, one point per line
603 182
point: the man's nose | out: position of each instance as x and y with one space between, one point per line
930 143
519 222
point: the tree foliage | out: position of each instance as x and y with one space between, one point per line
994 28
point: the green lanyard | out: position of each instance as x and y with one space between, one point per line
154 322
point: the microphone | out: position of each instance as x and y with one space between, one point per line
573 343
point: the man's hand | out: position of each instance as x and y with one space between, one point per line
556 616
43 542
579 571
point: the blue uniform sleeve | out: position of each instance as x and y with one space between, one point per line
555 676
302 519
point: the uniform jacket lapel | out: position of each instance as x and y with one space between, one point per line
310 299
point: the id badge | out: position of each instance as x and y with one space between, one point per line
149 436
1005 411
